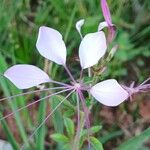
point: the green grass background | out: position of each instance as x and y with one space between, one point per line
19 23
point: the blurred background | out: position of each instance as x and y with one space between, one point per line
19 24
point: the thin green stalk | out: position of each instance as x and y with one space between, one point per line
70 23
9 135
41 133
13 106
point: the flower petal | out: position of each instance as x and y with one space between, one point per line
92 48
106 12
26 76
111 30
51 46
79 24
109 93
102 25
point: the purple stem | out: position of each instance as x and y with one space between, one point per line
77 137
86 111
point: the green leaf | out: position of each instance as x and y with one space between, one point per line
9 134
69 126
69 113
96 144
92 130
110 136
59 138
136 142
67 146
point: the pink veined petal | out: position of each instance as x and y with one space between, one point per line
107 16
26 76
51 46
109 93
111 33
111 30
106 12
92 48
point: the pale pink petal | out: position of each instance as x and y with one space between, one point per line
109 93
26 76
106 12
51 46
79 25
102 25
107 16
92 48
111 30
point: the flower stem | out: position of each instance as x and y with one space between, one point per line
86 111
77 137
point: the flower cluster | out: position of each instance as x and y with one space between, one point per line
51 45
92 48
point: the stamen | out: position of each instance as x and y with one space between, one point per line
31 92
47 117
61 83
145 81
69 73
33 103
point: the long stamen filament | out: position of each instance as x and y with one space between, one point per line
69 73
48 117
60 83
145 81
53 94
31 92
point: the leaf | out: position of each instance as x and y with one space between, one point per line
67 146
9 134
135 142
69 126
59 138
96 144
68 113
41 133
92 130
